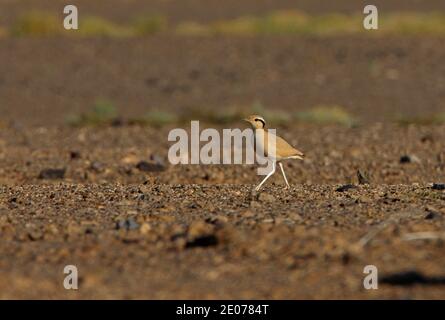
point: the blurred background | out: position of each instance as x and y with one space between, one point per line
162 61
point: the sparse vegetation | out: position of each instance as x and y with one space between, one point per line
297 22
190 28
37 23
103 112
95 26
326 115
150 24
278 22
414 23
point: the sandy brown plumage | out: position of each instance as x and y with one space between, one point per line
283 150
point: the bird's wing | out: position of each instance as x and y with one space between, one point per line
283 149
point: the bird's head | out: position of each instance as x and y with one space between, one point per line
256 121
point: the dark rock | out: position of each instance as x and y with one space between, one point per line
150 167
52 174
409 159
127 224
74 155
157 159
97 166
438 186
201 234
430 215
427 138
346 187
203 241
117 122
409 278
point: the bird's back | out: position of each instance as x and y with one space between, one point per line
283 150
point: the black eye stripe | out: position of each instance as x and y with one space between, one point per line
262 121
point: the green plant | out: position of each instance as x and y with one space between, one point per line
414 23
190 28
103 112
283 22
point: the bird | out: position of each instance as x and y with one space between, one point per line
283 150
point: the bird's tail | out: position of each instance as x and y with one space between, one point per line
298 155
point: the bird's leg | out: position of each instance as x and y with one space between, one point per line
284 175
267 177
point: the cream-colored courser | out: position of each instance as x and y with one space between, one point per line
283 150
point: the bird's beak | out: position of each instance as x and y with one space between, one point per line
245 119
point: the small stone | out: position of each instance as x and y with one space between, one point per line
266 197
128 224
201 234
149 167
295 217
432 213
427 138
217 220
52 174
248 214
97 166
409 278
74 155
130 159
346 187
199 228
157 159
409 159
364 199
438 186
145 228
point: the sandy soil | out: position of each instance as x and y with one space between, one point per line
200 232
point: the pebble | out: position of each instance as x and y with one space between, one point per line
52 174
128 224
346 187
149 167
409 159
438 186
266 197
201 234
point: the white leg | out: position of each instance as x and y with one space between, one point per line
267 177
284 175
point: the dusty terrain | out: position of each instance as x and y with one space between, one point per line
105 198
200 232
